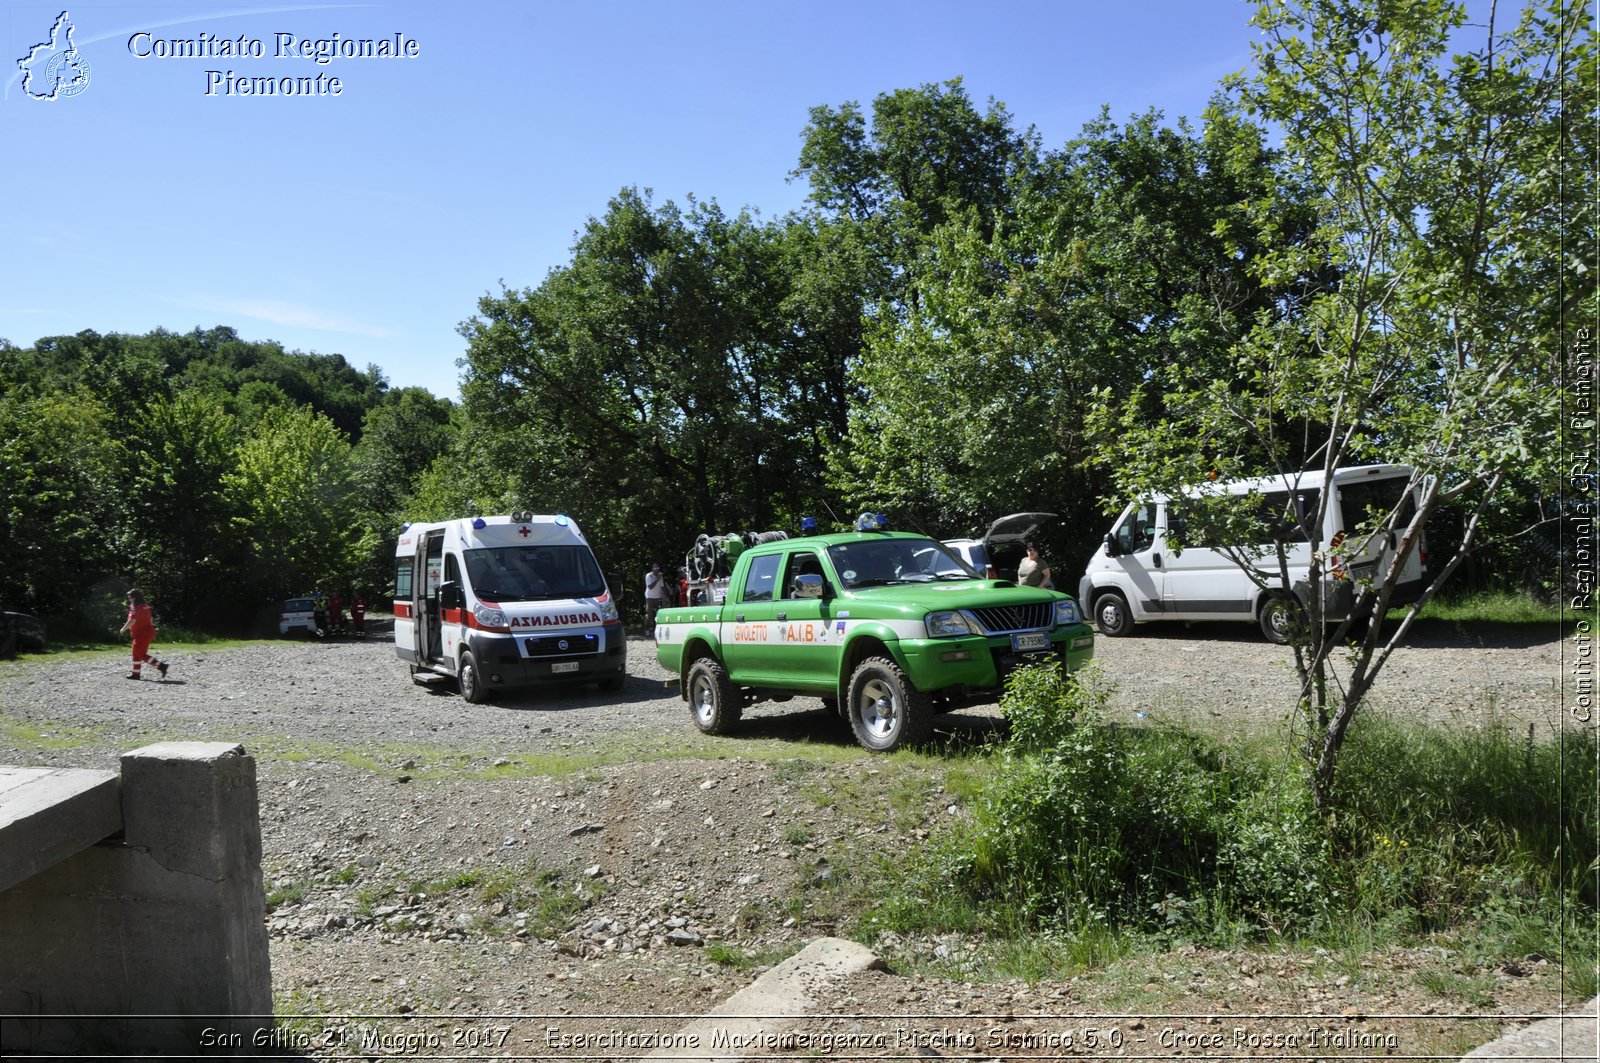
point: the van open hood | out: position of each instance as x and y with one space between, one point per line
1017 528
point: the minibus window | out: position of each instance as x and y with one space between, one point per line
1135 534
1365 502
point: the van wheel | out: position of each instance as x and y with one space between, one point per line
1111 615
612 683
472 688
713 701
886 709
1282 619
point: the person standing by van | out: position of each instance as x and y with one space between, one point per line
654 592
1033 572
141 624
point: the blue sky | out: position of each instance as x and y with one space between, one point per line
369 223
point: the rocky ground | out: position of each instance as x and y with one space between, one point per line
446 879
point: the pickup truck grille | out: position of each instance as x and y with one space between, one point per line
1002 619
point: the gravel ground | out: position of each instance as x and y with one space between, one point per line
443 864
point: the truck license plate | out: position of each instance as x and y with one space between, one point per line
564 666
1033 640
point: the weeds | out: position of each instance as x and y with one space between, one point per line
1088 840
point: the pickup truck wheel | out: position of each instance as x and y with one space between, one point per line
887 711
472 688
712 698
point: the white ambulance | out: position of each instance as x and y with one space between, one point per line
1136 576
503 602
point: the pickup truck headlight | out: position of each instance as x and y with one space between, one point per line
488 617
949 624
1067 613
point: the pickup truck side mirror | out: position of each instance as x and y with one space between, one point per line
450 595
1113 547
810 585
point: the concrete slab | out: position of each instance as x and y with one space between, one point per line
47 814
1572 1036
792 990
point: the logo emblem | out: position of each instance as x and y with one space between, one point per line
561 645
55 69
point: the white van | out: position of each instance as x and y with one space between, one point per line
1135 576
502 602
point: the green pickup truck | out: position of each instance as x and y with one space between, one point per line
887 628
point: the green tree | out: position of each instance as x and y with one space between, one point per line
672 369
292 493
176 519
59 495
1435 339
1121 252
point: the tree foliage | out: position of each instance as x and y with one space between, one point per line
1433 340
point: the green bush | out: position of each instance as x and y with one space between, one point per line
1087 824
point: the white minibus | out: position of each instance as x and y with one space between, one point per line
1137 575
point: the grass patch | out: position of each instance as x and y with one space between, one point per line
1497 607
56 736
1087 842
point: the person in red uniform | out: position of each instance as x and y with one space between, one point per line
141 625
358 614
336 613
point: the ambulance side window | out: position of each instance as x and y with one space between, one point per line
402 578
452 570
761 578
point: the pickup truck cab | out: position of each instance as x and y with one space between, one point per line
887 628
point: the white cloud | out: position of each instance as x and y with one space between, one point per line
291 315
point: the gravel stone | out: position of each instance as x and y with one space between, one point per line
473 890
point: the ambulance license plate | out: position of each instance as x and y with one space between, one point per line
1033 640
564 666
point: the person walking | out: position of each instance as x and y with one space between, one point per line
141 624
654 592
1033 572
319 611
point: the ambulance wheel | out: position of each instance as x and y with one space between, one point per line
1111 615
612 683
887 711
472 688
1282 619
712 698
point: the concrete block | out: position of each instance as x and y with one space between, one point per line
192 806
154 942
47 814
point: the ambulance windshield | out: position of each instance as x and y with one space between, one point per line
533 573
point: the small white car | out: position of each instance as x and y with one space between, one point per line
1000 551
297 615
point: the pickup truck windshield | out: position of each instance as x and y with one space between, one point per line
880 562
534 573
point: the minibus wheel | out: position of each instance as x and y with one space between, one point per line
1281 619
1111 615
